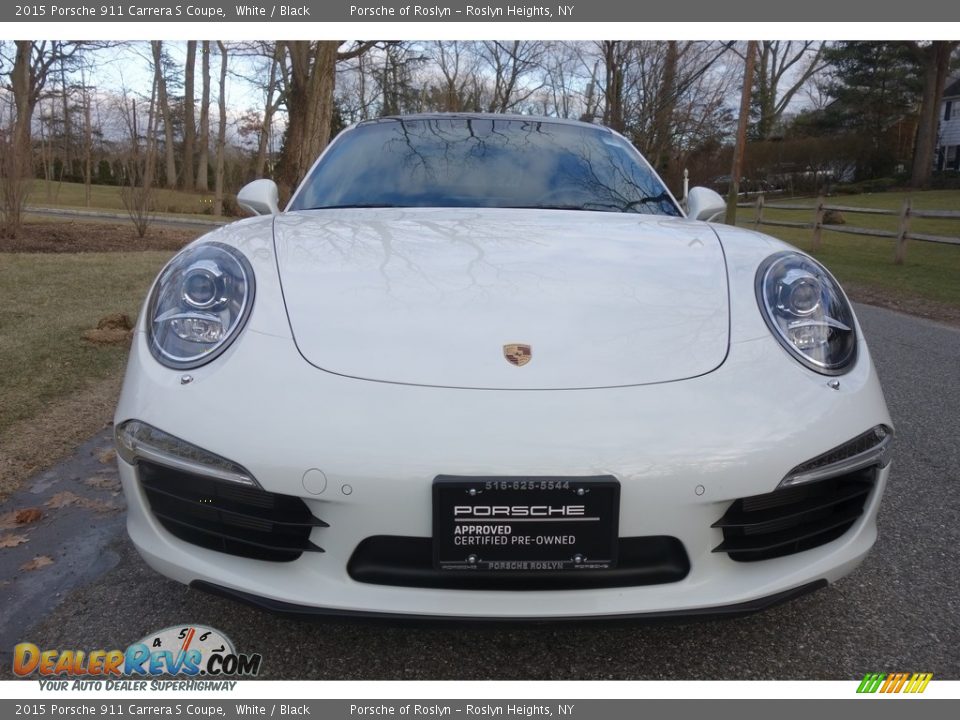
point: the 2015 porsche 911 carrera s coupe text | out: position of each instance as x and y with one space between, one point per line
486 366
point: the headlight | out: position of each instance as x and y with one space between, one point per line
807 312
199 304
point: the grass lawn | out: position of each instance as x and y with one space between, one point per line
47 301
107 197
931 270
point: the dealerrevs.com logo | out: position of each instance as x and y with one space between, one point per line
190 651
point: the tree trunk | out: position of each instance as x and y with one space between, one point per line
67 139
936 63
309 107
269 108
189 115
738 151
666 104
164 110
202 181
613 90
150 164
16 160
87 148
46 149
765 88
221 132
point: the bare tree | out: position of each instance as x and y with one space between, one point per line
664 107
189 114
615 61
739 148
564 100
30 71
87 141
684 98
271 105
137 193
667 97
202 181
457 63
160 81
512 63
46 124
66 128
592 99
778 60
398 93
309 100
221 132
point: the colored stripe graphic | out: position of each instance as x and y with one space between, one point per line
871 682
919 682
894 683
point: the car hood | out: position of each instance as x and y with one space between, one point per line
432 296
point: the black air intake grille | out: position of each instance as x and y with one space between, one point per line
230 518
794 519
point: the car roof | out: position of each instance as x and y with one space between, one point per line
485 116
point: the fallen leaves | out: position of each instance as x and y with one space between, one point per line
38 562
15 519
19 518
26 516
10 540
103 482
106 455
62 499
65 498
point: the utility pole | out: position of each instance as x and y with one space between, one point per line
738 150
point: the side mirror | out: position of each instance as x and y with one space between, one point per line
704 204
260 197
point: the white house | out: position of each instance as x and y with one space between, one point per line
948 138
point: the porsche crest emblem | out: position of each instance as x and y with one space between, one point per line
517 354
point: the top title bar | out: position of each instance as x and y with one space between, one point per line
489 11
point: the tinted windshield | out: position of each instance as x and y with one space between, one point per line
483 162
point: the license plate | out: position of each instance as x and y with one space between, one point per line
528 524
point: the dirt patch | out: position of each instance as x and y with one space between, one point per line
83 236
35 444
911 305
112 329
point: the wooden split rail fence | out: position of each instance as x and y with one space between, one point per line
820 209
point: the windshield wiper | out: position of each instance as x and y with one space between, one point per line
584 206
354 206
662 197
629 206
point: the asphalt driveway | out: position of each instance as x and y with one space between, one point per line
898 612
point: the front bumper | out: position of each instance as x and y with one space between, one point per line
724 611
681 451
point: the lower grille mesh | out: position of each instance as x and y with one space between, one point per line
794 519
229 518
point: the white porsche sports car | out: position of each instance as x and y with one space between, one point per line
485 366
